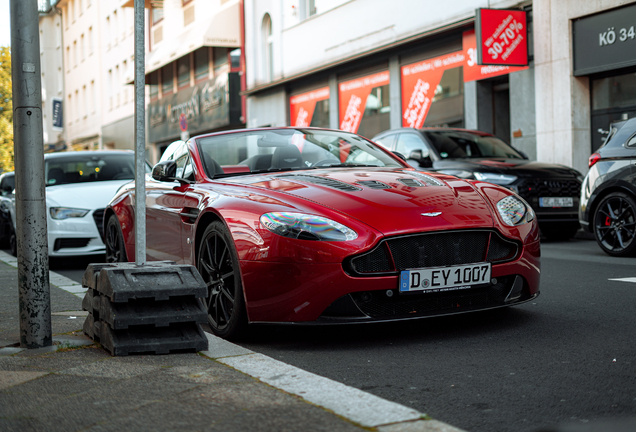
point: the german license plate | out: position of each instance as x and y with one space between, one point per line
556 202
445 278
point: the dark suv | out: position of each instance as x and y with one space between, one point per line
608 194
552 190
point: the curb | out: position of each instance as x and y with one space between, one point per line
355 405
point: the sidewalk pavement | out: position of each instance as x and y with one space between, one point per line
76 385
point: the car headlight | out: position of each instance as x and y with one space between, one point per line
514 210
306 227
500 179
65 213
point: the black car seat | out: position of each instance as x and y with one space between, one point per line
287 157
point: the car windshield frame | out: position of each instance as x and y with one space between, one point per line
454 144
287 149
85 168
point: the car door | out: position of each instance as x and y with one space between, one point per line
164 202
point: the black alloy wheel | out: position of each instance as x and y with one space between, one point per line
217 262
115 250
615 224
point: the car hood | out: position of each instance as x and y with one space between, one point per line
91 195
519 167
392 201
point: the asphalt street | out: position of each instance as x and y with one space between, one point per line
567 357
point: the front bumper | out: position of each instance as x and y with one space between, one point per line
75 236
314 293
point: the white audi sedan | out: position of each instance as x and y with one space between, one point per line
79 185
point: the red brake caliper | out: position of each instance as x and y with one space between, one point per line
608 221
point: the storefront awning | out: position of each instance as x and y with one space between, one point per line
223 30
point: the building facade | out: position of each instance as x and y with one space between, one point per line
356 65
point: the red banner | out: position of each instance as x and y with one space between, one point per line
353 96
419 82
475 72
502 37
302 106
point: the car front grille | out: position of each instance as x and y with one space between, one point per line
98 216
433 250
376 304
535 188
64 243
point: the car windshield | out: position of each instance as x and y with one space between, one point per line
80 168
288 149
463 144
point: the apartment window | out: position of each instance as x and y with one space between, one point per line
93 97
109 89
77 111
90 41
60 81
65 17
83 47
75 53
68 58
115 28
183 71
71 6
220 60
167 79
117 86
267 48
80 7
201 63
70 110
188 16
84 102
185 2
157 15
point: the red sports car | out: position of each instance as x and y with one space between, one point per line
306 225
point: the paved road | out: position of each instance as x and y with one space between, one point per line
569 356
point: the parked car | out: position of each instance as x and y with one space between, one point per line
308 225
608 194
552 190
7 212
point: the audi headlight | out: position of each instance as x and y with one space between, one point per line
306 227
65 213
514 210
500 179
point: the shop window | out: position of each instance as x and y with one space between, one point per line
235 59
157 15
183 71
220 61
376 116
153 85
167 78
614 92
321 114
447 108
201 63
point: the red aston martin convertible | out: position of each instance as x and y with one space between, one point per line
305 225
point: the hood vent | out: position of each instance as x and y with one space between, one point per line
429 180
410 182
373 184
322 181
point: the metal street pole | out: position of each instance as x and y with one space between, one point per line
140 136
28 138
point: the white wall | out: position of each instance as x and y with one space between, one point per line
562 100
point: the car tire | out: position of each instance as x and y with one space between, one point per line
217 262
13 242
559 231
615 224
114 241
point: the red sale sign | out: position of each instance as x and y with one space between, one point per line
419 82
302 106
353 96
474 71
502 37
